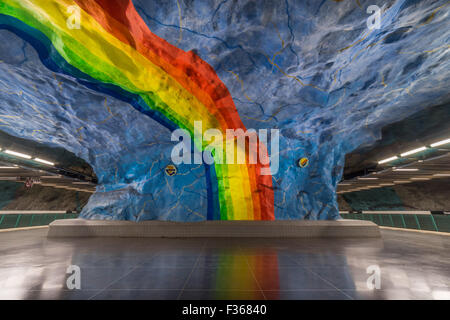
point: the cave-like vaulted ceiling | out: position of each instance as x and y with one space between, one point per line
112 90
420 129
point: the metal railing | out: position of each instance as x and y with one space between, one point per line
18 219
429 222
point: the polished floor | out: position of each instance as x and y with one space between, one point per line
412 266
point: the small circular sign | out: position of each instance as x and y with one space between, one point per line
303 162
170 170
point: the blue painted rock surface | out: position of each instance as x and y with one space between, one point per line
311 69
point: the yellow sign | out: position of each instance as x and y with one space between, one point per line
171 170
303 162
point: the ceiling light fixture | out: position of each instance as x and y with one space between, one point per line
388 160
18 154
413 151
440 143
406 169
367 178
44 161
441 174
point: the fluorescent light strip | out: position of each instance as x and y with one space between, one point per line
405 169
18 154
413 151
440 143
388 160
420 178
367 178
44 161
442 175
8 167
387 184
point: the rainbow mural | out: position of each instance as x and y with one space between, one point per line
114 52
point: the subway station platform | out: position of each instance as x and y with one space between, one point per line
413 265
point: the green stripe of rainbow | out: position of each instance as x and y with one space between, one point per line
114 46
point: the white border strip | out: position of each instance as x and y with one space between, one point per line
390 212
415 230
30 212
23 229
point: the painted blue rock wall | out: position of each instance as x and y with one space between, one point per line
311 69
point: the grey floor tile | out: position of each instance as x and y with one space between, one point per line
221 295
307 295
292 278
170 261
392 294
120 294
153 278
92 278
56 294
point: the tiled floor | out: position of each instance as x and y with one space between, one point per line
412 265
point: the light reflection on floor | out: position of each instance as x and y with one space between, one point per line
413 266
